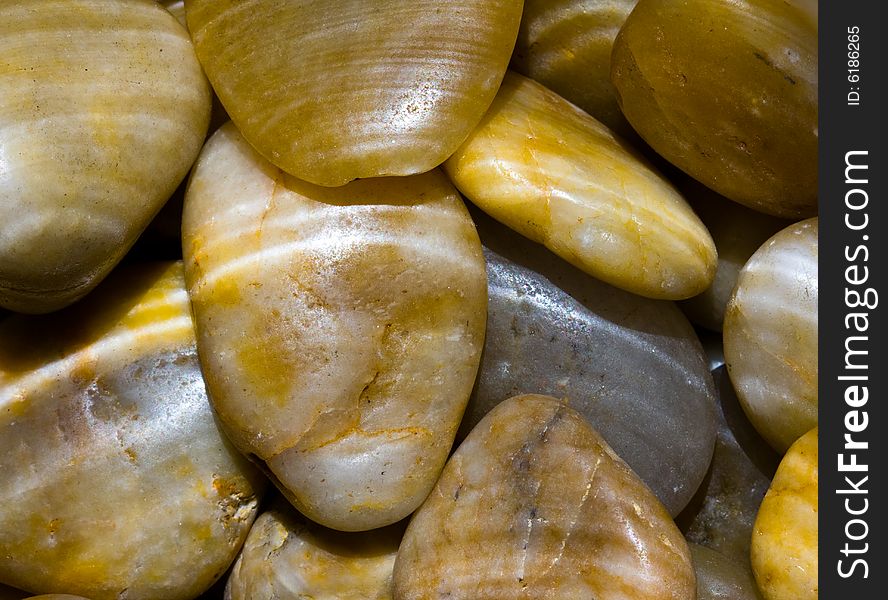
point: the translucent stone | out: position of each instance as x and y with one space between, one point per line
720 579
770 335
116 479
784 540
567 45
104 110
535 504
560 178
340 329
335 91
287 557
727 92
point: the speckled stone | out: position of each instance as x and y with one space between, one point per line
116 479
718 578
535 505
288 557
722 513
631 366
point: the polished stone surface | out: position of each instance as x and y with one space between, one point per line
631 366
727 92
116 479
784 540
340 329
722 513
535 505
104 110
287 557
409 79
566 46
770 335
560 178
719 578
738 232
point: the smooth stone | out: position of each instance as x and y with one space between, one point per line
722 513
566 46
727 92
116 479
411 79
631 366
177 9
560 178
104 110
719 578
738 232
535 505
770 335
784 540
340 329
287 557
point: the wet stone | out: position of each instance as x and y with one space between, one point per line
535 505
632 366
722 513
719 578
288 557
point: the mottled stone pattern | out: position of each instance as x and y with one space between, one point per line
287 557
719 578
116 480
784 540
559 177
535 505
630 365
411 80
738 232
340 329
567 46
722 514
104 110
727 92
770 335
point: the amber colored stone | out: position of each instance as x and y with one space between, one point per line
339 329
104 109
535 505
738 232
116 479
784 540
559 177
567 46
335 91
288 557
770 335
727 92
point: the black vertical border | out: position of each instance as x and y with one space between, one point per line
844 128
